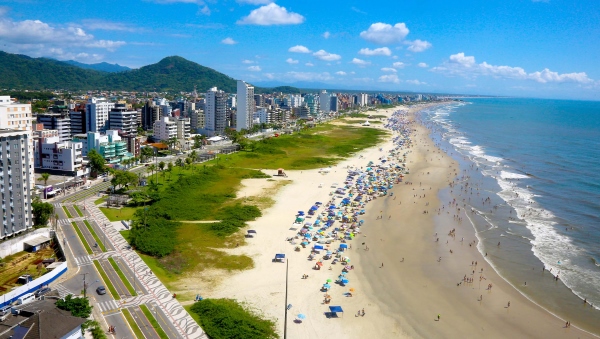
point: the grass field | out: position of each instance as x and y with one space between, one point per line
67 212
118 214
91 229
109 286
126 282
78 211
99 201
134 327
80 235
153 321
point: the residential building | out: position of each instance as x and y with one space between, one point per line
16 181
324 101
59 157
197 120
363 99
215 112
334 104
183 128
110 145
124 120
150 113
133 144
311 103
18 116
245 106
165 129
79 119
232 101
259 100
260 116
292 100
57 121
98 111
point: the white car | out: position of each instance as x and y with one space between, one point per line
86 187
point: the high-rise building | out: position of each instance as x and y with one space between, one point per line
58 121
98 110
124 120
215 111
311 103
245 106
334 104
259 100
60 157
363 99
150 113
324 101
78 117
16 180
165 129
18 116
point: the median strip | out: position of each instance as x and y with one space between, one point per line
134 326
67 212
78 211
153 322
80 235
100 243
111 288
126 282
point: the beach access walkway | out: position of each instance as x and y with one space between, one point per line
157 293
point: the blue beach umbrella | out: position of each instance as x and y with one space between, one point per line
327 286
345 281
301 316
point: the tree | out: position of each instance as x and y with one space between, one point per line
179 162
44 177
97 162
152 168
161 165
188 161
123 179
198 141
79 307
42 211
147 152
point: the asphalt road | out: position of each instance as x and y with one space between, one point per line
143 323
115 279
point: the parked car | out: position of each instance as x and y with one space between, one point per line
42 291
101 290
106 179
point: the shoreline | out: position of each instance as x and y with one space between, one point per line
398 299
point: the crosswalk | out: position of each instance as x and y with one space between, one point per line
106 306
62 291
83 260
64 222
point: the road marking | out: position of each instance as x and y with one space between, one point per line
106 306
83 260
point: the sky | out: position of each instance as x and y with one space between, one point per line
526 48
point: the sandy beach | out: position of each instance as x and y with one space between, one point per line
413 279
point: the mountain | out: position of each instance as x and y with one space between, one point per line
102 66
171 74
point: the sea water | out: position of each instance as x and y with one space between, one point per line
538 162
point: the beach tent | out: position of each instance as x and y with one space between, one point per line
280 257
318 247
336 309
343 245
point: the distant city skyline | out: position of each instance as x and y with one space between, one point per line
545 49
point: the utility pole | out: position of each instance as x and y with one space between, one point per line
287 265
84 285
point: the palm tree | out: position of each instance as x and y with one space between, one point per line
170 169
188 161
44 177
152 168
193 155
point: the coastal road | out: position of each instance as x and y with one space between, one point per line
143 323
115 279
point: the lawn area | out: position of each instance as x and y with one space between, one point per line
100 243
317 147
100 201
80 235
126 282
153 321
136 329
78 211
67 212
15 265
118 214
109 286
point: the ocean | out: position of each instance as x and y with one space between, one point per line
530 186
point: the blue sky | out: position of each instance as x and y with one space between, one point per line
530 48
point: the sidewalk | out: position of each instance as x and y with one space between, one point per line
185 324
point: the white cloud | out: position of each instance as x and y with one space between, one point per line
422 65
104 25
247 61
204 10
377 51
389 78
326 35
398 64
4 10
254 68
360 62
382 33
271 14
308 76
291 61
463 65
37 38
357 10
309 64
299 49
340 73
416 82
255 2
418 45
228 41
389 69
326 56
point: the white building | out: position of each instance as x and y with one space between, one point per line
245 106
165 129
215 112
16 181
363 99
56 155
183 128
57 121
292 101
18 116
324 101
123 120
98 111
261 116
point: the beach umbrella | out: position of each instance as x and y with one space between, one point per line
345 281
301 316
327 286
328 280
344 273
352 290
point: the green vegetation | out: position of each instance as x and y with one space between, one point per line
124 179
91 229
118 214
227 319
95 329
100 201
172 73
153 322
42 212
78 211
97 162
122 276
67 212
80 235
109 286
79 307
136 329
15 265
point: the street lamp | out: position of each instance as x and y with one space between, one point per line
287 265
